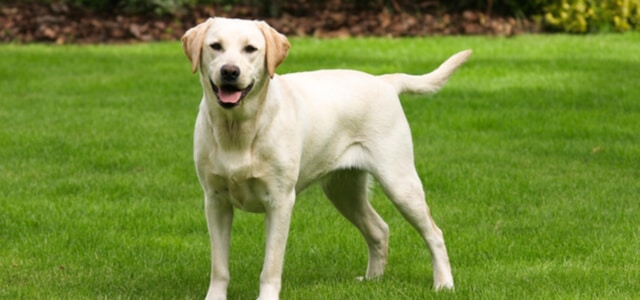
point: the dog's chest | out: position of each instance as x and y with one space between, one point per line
249 195
236 177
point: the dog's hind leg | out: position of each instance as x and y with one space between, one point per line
347 190
400 181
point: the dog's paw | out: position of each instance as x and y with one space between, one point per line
365 278
444 287
214 294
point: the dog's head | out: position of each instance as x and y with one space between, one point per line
234 56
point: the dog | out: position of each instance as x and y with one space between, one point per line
261 138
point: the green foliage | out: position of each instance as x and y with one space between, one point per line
581 16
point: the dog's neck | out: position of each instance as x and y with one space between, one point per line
237 128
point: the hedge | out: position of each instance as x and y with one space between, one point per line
583 16
573 16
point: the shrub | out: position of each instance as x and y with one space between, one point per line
581 16
159 7
132 6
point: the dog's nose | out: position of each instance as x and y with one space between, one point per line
230 72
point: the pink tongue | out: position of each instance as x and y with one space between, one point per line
229 97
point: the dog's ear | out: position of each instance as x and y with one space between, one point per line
277 47
192 42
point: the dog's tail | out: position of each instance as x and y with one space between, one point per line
427 83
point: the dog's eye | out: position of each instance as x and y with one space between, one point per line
216 46
250 49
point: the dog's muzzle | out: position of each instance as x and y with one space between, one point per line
230 95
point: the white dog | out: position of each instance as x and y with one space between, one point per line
261 138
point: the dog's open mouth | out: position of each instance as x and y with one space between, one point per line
230 95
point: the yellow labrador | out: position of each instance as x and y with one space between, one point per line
261 138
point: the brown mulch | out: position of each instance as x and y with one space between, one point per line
61 23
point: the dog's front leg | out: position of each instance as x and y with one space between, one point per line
219 219
277 220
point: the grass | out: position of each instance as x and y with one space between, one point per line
529 156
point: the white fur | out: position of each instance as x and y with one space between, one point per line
330 126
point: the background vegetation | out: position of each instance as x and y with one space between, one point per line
574 16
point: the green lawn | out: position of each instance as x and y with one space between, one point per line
530 157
